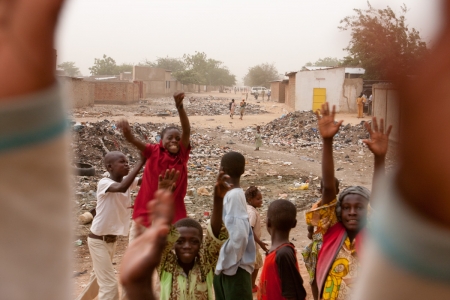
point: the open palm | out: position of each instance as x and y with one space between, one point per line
379 139
327 126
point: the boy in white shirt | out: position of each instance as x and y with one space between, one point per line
112 219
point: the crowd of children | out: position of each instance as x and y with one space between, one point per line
223 264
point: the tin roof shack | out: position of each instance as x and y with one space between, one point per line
338 86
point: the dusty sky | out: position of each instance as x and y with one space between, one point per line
239 33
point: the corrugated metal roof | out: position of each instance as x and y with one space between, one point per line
355 70
313 68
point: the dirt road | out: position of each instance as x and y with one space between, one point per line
274 169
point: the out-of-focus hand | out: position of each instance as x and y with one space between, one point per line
144 253
27 55
168 180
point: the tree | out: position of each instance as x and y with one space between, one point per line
261 75
105 66
199 69
123 68
325 62
382 42
69 68
168 63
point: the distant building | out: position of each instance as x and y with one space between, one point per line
339 86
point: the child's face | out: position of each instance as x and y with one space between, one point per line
188 244
256 201
354 212
171 140
119 166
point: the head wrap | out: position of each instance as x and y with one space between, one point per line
358 190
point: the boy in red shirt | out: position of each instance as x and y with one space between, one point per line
171 153
280 277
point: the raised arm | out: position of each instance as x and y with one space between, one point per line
328 128
144 253
220 189
184 120
378 145
126 130
122 187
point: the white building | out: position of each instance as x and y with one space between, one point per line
338 86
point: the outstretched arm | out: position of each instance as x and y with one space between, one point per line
122 187
126 130
328 128
378 145
144 253
184 120
220 189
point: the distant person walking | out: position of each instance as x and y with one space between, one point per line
262 94
360 102
243 105
369 103
258 139
232 108
268 95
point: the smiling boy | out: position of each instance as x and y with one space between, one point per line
112 219
188 261
171 153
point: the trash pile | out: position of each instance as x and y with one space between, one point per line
299 129
91 141
201 107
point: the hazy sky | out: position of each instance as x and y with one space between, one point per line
239 33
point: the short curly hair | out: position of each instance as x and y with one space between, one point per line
251 193
191 223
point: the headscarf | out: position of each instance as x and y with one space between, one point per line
358 190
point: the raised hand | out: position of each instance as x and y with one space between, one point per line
144 253
222 186
178 97
379 139
27 55
125 127
327 127
168 181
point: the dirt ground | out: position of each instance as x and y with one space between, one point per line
276 170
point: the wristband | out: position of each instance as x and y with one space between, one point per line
180 106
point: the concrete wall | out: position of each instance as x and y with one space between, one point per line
331 79
277 91
291 99
352 89
286 92
116 92
386 106
340 91
80 93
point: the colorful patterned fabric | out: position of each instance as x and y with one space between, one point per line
198 284
343 273
321 217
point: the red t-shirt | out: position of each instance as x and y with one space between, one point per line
158 161
280 276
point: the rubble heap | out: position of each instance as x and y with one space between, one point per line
299 129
